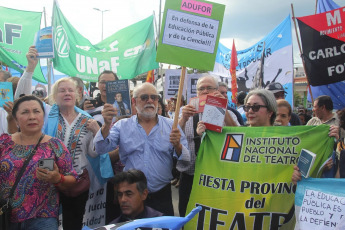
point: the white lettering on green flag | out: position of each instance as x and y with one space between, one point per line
243 175
129 52
17 33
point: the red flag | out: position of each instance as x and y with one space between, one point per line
150 76
233 64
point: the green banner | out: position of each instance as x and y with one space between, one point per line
190 33
129 52
243 175
17 33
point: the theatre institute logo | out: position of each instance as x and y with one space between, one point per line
232 147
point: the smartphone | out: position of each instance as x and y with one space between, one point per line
93 101
47 163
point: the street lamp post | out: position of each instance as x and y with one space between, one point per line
102 11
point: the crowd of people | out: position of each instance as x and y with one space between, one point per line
145 150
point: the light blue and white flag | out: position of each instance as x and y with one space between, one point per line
278 65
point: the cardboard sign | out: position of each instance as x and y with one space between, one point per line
190 33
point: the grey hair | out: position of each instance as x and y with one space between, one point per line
207 76
139 88
80 82
268 99
7 74
223 84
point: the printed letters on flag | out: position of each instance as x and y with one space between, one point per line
246 182
17 33
323 43
129 52
278 61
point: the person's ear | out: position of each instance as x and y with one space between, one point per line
133 101
144 194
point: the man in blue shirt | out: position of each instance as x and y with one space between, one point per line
146 142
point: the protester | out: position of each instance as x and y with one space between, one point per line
4 75
240 103
161 108
146 142
174 104
131 192
223 89
37 205
304 118
279 93
283 112
188 122
76 129
260 107
323 110
80 90
101 99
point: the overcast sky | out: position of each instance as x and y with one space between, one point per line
246 21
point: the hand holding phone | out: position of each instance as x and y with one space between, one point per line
47 163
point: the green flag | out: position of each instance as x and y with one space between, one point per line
129 52
243 175
17 33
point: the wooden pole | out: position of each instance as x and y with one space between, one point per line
301 52
179 96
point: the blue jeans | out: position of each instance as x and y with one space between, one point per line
36 224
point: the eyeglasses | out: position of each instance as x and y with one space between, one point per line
208 88
255 108
145 97
280 95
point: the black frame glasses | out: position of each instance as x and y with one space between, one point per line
145 97
255 108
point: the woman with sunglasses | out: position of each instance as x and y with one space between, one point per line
260 107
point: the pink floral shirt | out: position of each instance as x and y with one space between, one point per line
33 198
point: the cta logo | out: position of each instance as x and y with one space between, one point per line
61 42
232 147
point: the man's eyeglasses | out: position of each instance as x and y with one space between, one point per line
208 88
145 97
255 108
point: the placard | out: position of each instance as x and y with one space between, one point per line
190 33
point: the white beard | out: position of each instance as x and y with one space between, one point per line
146 114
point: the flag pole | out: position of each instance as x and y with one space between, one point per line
301 53
48 62
316 6
179 96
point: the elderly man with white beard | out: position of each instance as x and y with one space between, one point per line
147 142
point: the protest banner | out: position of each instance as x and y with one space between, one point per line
246 182
190 33
129 52
171 83
278 60
192 79
335 89
323 44
17 33
320 204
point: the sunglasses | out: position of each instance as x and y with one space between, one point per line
255 108
145 97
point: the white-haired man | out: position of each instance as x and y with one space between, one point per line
146 142
188 123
